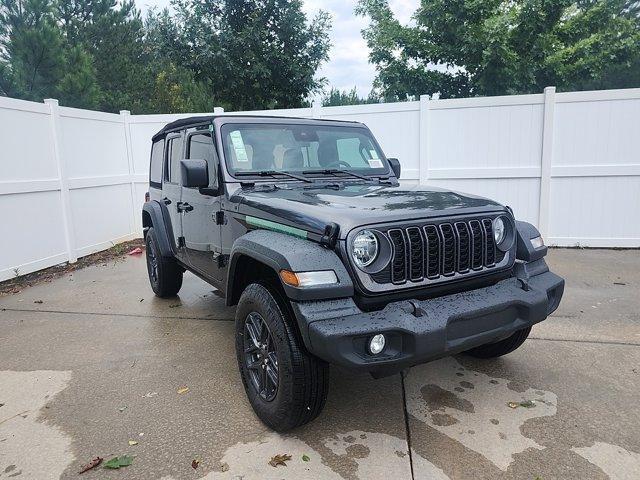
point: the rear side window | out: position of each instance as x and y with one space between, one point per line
174 154
155 172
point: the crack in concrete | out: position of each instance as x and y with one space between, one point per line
406 423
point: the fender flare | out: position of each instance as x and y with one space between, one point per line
155 213
280 251
524 250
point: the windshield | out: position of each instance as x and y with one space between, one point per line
300 148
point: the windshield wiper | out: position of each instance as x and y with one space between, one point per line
334 171
273 173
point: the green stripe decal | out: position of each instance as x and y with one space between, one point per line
276 227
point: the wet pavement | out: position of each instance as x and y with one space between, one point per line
93 362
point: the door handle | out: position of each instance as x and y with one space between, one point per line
184 207
166 201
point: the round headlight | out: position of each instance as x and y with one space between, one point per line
499 230
364 249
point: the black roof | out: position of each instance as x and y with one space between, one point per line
205 119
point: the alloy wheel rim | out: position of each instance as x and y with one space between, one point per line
152 262
261 359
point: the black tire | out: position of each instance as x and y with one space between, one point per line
302 379
165 275
508 345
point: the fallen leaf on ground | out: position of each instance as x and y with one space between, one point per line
149 394
132 442
174 305
122 409
305 458
182 390
224 467
279 460
512 405
135 251
195 463
92 464
119 462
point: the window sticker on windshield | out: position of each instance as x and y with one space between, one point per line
238 146
374 161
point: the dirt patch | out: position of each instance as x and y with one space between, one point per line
116 252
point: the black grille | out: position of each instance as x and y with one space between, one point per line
432 264
399 261
434 251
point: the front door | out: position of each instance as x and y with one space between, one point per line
199 228
171 187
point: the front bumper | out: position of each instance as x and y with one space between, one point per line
420 331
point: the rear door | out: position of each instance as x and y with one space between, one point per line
199 227
171 187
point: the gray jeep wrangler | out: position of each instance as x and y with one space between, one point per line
304 226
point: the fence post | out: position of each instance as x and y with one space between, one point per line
423 139
545 161
67 218
316 109
218 110
126 121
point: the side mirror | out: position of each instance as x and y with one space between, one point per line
194 173
395 166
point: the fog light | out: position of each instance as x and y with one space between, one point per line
376 344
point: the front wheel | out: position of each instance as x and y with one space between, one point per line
508 345
286 386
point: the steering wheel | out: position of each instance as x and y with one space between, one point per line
337 163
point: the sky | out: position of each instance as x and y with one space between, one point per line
348 64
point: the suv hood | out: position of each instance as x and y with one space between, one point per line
312 207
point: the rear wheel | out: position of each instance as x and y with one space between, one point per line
286 386
508 345
165 275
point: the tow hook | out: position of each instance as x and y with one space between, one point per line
524 285
416 310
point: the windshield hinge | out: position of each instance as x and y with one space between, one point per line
181 242
219 217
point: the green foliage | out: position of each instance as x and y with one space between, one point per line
239 54
337 97
256 54
468 47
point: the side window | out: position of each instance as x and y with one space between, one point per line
200 147
174 154
155 171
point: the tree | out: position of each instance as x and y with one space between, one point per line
35 63
257 54
337 97
465 47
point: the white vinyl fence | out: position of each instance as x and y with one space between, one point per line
72 181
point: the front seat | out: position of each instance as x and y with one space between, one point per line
262 158
293 159
328 153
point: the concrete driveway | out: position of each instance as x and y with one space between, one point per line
92 363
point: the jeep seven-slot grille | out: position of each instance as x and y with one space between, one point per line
434 251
